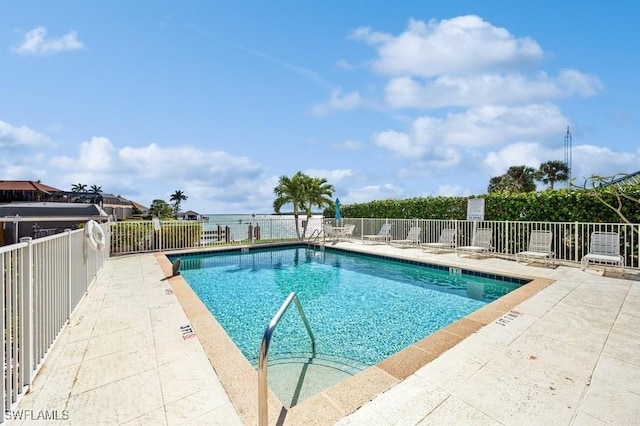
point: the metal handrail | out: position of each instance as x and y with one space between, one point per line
316 234
263 406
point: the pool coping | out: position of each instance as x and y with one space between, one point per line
240 379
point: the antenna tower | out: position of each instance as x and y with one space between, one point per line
568 139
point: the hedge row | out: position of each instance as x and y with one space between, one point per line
546 206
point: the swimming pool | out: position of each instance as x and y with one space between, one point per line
361 309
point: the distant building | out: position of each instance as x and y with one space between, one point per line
190 215
37 220
117 207
26 191
12 191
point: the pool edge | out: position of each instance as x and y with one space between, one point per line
239 379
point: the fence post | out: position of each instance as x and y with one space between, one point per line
575 243
26 317
69 274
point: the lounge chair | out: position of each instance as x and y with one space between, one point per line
348 231
329 231
604 248
413 238
480 243
539 247
446 241
383 236
343 232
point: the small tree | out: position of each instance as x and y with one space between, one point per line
78 187
95 192
303 192
552 171
160 208
601 185
516 179
177 198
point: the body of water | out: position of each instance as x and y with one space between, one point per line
243 226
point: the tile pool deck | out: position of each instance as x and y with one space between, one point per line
141 350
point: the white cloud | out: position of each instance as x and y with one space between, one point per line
349 145
333 177
496 89
36 43
15 136
588 160
474 128
517 154
223 179
459 45
372 192
338 102
453 191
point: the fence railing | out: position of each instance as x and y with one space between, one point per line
570 239
145 236
43 281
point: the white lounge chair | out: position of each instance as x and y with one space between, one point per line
413 238
383 236
343 232
604 248
539 247
348 231
446 241
329 231
480 243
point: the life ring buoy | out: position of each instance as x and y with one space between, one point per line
95 235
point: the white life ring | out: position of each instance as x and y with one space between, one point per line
95 235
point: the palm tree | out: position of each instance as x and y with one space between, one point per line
177 198
516 179
303 192
318 193
95 191
290 190
553 171
523 178
78 187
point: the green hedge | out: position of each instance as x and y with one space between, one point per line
561 205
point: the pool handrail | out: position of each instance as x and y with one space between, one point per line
263 406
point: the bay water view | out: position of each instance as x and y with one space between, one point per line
244 227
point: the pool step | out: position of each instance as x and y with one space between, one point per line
296 377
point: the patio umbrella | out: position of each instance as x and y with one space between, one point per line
338 213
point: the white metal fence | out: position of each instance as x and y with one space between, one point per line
43 280
143 236
570 239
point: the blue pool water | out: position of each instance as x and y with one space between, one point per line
360 308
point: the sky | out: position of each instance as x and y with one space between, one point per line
385 100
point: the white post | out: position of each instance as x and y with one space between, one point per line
26 328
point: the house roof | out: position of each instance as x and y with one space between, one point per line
627 179
26 185
139 206
190 213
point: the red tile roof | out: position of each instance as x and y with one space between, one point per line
26 185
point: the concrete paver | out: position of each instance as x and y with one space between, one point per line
570 354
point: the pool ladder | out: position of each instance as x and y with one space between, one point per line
263 395
315 236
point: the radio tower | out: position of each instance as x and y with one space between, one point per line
567 154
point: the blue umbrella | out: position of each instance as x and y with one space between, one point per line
338 214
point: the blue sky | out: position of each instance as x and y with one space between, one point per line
383 99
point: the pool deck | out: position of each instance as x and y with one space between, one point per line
141 350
